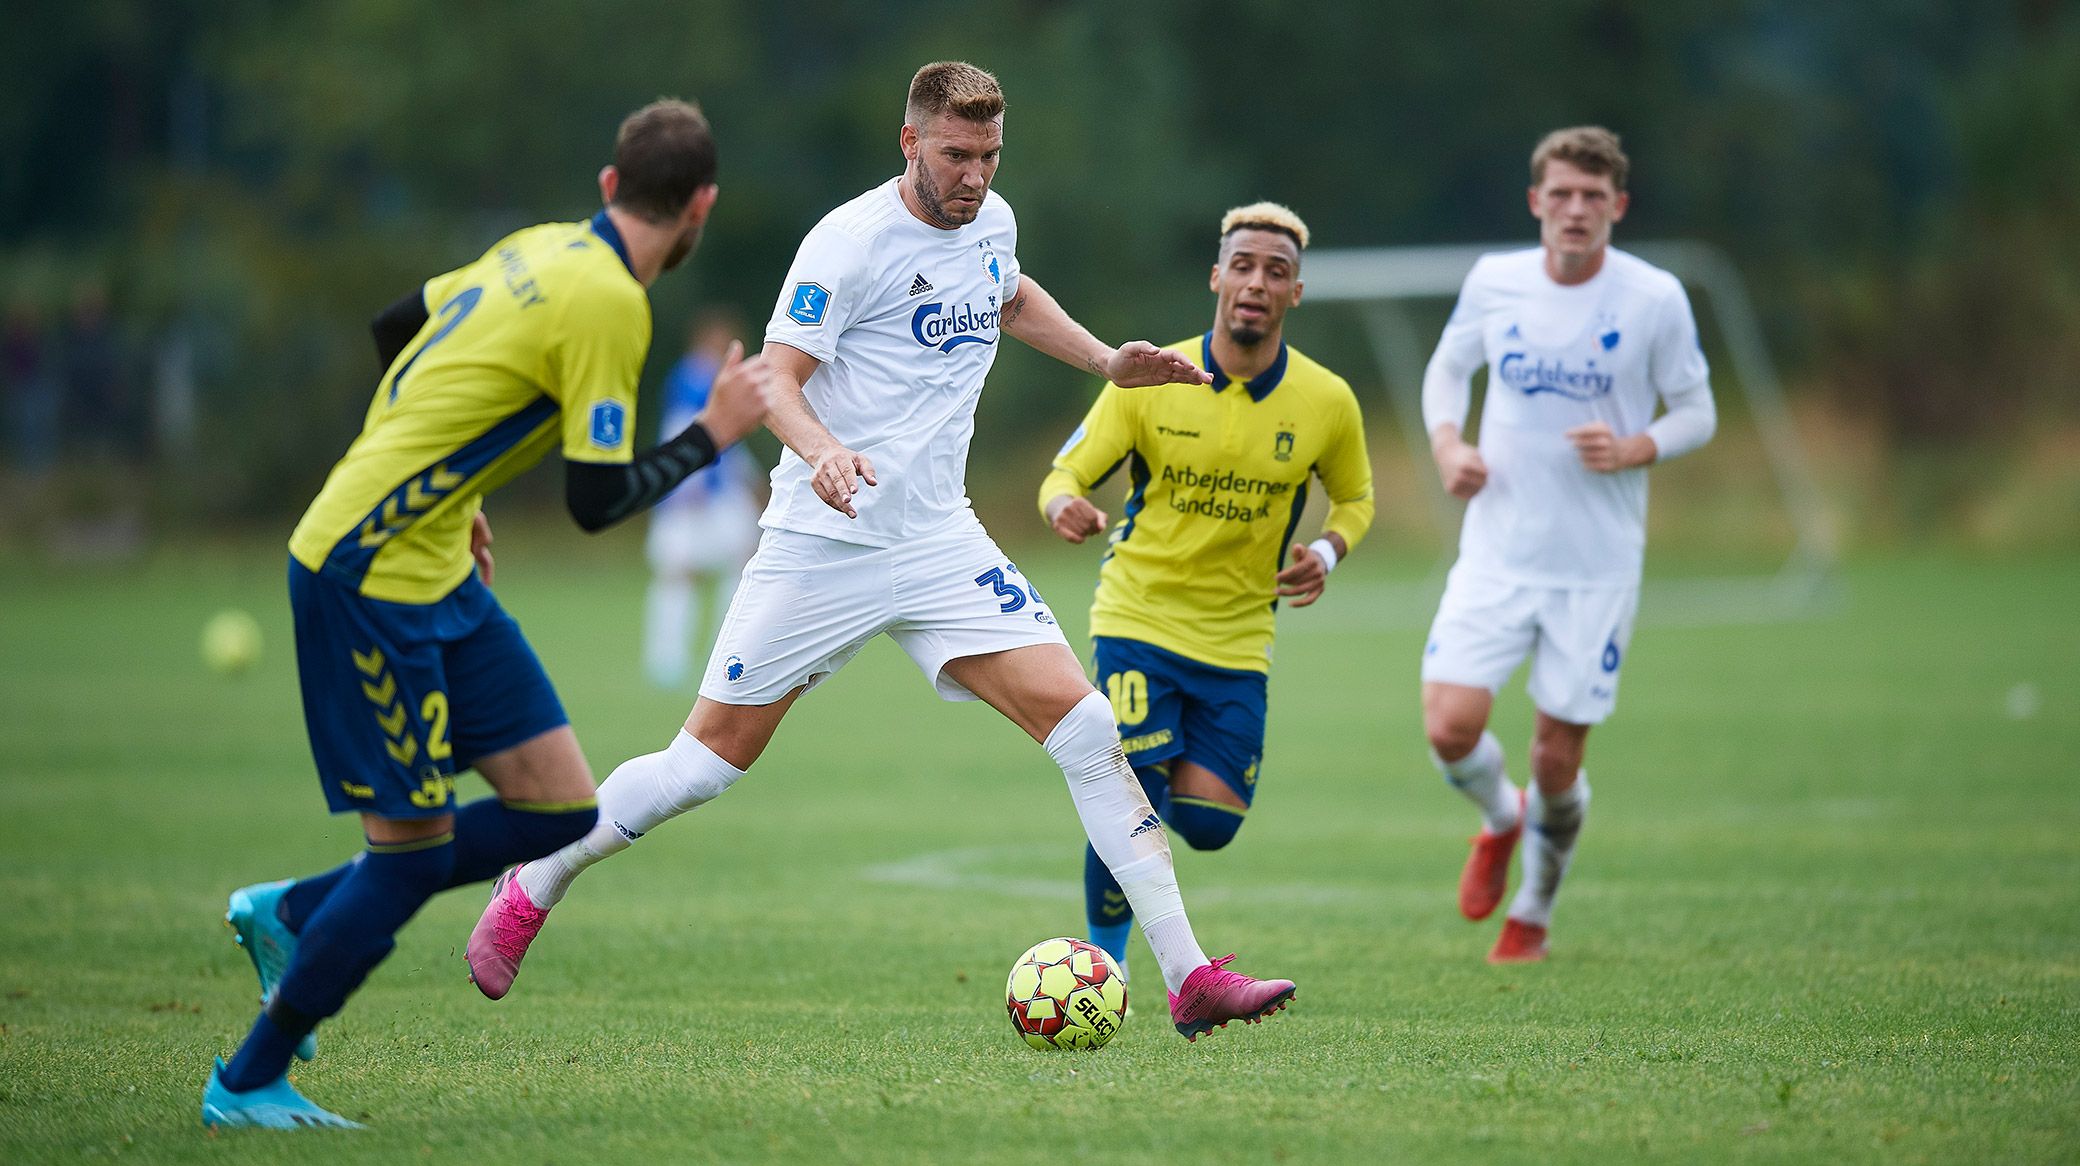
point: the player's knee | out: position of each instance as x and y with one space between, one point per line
1204 825
1451 737
1084 732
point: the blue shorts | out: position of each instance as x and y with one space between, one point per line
400 697
1169 707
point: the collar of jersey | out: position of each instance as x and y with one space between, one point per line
1259 386
604 227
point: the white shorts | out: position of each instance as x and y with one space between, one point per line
808 604
1576 637
714 534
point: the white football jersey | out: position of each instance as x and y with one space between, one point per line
1558 356
905 318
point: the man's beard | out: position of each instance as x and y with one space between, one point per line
933 201
681 249
1245 335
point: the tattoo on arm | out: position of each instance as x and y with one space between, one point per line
1013 310
1091 363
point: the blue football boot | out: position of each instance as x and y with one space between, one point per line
274 1106
258 929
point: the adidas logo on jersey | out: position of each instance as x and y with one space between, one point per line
1149 823
920 285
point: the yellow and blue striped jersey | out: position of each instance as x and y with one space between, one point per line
544 336
1217 478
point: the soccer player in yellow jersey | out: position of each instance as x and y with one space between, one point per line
1217 477
411 671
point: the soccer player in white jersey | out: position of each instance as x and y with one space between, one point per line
886 326
1581 340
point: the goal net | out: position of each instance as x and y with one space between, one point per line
1382 285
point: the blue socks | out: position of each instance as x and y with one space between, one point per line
491 835
1203 824
301 900
341 942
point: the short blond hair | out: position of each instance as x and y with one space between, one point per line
1264 216
1590 149
952 87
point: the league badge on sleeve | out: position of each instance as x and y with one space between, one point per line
808 305
609 424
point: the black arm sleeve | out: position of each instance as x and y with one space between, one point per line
395 326
601 495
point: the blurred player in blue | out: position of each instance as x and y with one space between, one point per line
411 671
702 534
1192 575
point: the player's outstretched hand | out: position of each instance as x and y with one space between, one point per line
1460 466
1137 362
480 546
1605 452
838 476
1303 581
737 402
1074 517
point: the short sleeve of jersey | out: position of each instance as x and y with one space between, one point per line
824 293
1009 276
595 364
1099 444
1677 360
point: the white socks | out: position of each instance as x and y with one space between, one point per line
1555 822
1479 776
1124 830
642 793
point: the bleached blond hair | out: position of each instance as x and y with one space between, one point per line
1264 216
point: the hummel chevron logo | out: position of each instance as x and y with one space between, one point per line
920 285
1149 823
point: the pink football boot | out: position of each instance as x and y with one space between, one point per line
499 941
1212 996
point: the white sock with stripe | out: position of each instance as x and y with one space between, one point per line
1126 833
641 794
1479 775
1554 823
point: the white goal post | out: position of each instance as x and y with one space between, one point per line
1378 283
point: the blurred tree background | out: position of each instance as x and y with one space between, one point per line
232 188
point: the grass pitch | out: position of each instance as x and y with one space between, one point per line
1827 906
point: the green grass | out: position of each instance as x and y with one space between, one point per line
1827 906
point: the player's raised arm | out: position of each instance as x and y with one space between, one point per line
1036 318
836 472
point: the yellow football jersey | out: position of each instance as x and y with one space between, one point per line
1217 477
544 335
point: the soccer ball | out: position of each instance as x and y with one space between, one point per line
230 642
1066 994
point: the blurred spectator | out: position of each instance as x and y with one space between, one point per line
30 386
702 533
99 412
